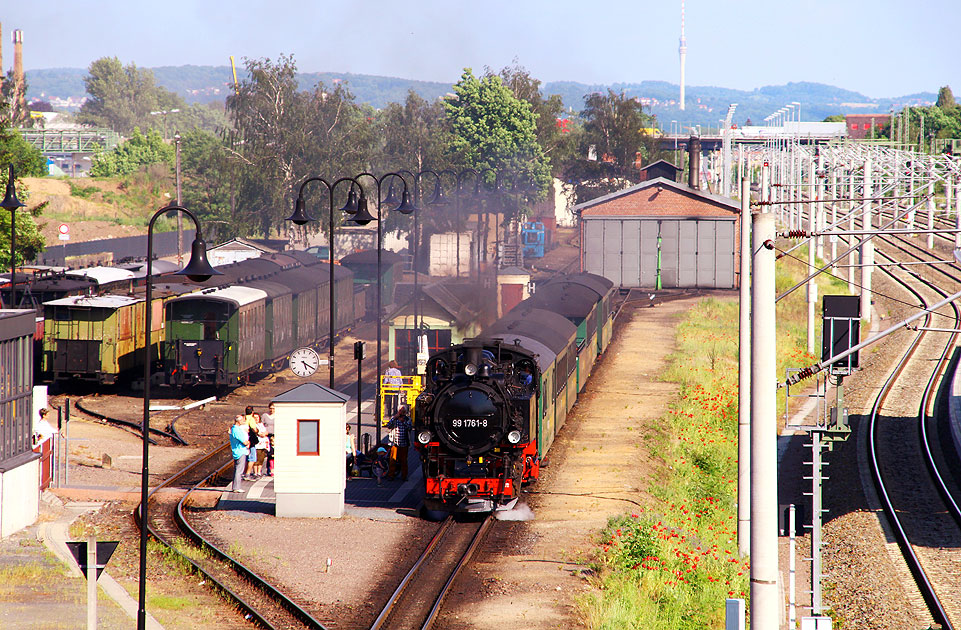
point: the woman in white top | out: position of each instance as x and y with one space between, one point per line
263 442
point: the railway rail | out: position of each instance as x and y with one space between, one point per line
902 449
261 601
417 600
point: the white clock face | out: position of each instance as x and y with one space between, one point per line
304 362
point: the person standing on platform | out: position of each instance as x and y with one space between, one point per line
399 428
240 449
44 430
350 449
268 420
394 379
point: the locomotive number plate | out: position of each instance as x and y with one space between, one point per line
469 423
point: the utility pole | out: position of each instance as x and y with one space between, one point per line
930 202
812 288
180 215
867 248
765 601
744 379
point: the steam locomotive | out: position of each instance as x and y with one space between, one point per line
492 406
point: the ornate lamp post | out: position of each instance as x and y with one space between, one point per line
363 217
300 217
11 203
198 270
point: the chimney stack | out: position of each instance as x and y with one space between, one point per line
18 55
694 163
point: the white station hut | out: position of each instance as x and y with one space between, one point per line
309 451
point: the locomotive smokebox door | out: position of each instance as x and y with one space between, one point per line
840 331
360 351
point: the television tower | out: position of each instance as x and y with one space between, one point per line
682 50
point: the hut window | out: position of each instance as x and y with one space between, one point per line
308 437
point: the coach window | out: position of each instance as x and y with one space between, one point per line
308 437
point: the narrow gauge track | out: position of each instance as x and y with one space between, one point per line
913 494
131 425
252 594
417 600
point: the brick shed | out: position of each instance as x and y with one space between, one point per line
695 233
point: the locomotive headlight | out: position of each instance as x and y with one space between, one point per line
514 436
423 437
470 369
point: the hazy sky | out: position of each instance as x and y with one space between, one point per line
876 47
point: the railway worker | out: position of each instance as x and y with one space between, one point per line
240 449
399 428
268 420
394 379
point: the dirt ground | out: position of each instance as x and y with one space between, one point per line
599 467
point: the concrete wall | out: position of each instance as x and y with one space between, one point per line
444 255
19 498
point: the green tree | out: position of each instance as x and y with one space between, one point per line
612 131
493 129
26 161
282 135
835 118
208 181
945 98
122 97
133 154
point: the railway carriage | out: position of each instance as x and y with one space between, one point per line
216 336
493 406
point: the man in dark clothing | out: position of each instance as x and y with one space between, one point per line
399 428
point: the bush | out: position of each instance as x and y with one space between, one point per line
139 151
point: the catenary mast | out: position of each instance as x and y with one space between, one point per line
682 50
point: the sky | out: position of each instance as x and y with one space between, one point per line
880 48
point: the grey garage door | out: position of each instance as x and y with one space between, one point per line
694 252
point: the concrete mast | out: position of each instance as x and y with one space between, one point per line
682 50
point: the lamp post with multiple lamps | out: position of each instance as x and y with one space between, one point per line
198 270
300 217
362 217
11 203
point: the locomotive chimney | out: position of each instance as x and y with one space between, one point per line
694 162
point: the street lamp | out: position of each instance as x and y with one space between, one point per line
164 112
300 217
362 217
11 203
197 270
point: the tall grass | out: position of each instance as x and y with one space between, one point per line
672 564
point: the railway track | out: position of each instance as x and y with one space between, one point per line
417 600
262 603
906 462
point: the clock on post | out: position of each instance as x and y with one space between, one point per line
304 362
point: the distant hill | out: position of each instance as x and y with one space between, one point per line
705 104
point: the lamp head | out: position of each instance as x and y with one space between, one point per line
362 216
299 217
197 269
351 206
438 198
391 198
10 201
405 207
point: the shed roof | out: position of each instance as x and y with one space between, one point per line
632 202
513 271
311 393
664 163
242 244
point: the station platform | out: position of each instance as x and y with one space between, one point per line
362 493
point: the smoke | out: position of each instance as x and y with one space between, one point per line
520 512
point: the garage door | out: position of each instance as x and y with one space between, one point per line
694 253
